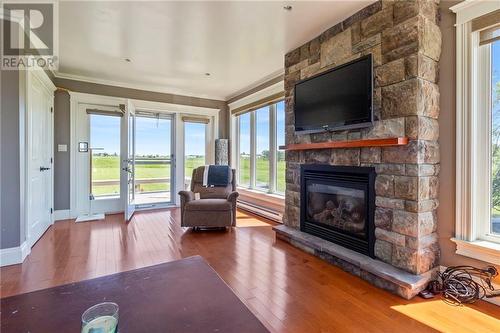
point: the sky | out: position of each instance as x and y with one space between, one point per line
195 138
153 136
105 134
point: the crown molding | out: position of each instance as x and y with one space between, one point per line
466 4
160 89
258 95
470 9
233 97
462 5
144 87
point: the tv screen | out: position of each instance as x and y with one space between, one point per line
337 99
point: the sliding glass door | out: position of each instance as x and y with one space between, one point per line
123 155
153 159
98 158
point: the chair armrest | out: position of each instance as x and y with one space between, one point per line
186 195
233 196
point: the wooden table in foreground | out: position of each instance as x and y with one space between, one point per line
182 296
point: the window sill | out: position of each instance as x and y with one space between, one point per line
273 202
261 192
479 249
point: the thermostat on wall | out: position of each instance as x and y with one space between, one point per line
83 147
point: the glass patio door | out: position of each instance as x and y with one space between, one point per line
129 163
154 146
98 158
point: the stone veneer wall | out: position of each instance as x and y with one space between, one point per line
405 40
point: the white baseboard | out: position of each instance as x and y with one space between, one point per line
493 300
63 214
14 255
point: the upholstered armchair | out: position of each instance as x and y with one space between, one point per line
216 206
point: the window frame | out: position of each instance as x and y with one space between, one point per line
277 147
485 103
236 157
273 149
473 137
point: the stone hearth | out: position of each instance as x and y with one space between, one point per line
382 275
405 41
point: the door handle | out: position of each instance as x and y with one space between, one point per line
44 169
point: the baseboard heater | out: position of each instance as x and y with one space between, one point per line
261 211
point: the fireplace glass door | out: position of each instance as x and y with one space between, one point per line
337 203
339 207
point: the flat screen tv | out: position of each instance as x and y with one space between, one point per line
340 98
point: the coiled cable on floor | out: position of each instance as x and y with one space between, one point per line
458 286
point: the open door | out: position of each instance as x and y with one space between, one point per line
129 162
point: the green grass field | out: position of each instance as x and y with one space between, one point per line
262 173
108 168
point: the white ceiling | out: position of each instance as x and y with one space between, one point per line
173 44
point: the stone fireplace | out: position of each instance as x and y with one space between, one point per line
405 41
338 205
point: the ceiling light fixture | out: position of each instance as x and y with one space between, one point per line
207 74
287 7
128 60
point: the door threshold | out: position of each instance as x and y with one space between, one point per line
143 207
88 218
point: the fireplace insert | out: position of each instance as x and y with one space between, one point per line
338 204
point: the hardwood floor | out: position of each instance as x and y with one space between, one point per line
287 289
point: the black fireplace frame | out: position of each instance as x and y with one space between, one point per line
355 175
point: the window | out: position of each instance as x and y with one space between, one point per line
261 164
105 149
262 149
477 230
194 149
244 150
494 77
153 153
280 153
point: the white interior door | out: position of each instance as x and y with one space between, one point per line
39 159
129 162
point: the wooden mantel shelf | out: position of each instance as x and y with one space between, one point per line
387 142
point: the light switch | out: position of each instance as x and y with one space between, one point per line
62 147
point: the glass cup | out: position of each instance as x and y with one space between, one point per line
100 318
